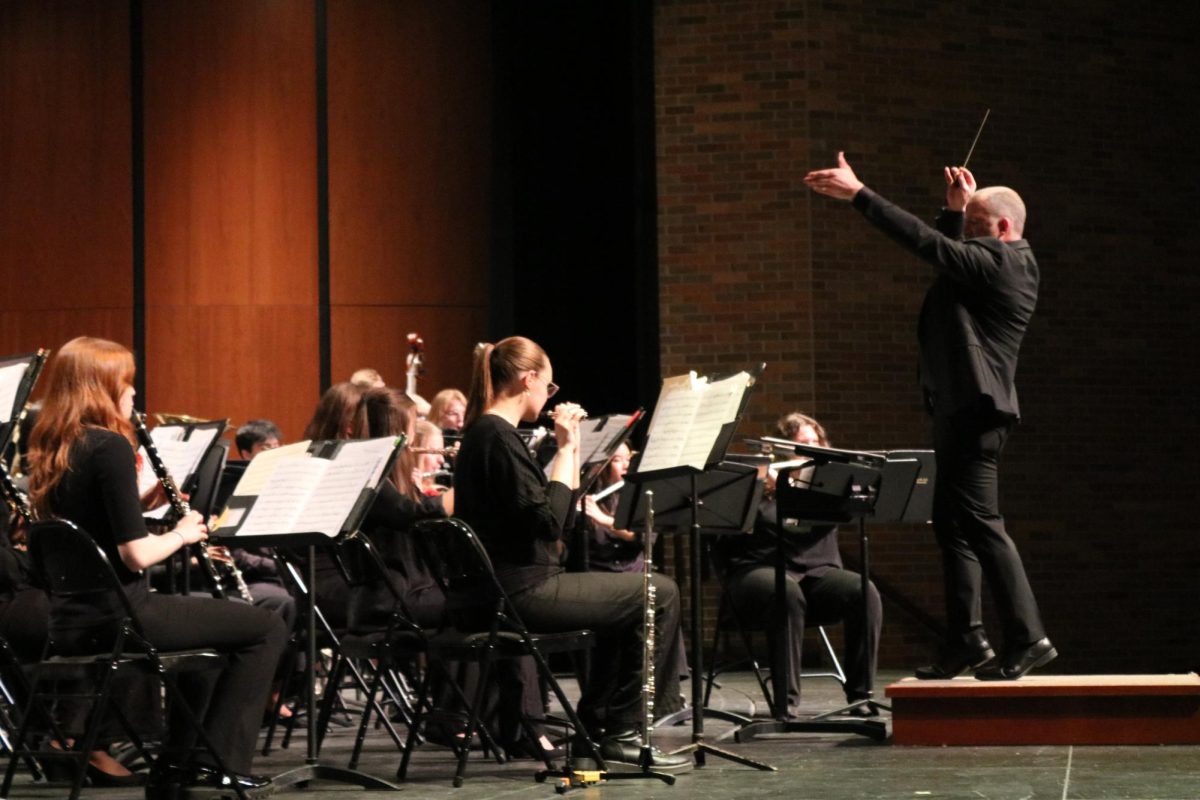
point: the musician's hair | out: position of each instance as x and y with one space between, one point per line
367 378
334 417
790 424
424 432
84 383
386 411
1001 201
441 401
497 366
256 431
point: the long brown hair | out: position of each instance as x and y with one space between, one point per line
334 417
386 411
496 366
84 383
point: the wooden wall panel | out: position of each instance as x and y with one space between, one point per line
231 218
409 152
65 235
375 336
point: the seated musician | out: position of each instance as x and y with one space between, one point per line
819 589
83 468
255 436
519 515
447 410
432 467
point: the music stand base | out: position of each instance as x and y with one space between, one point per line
324 772
701 750
685 715
873 729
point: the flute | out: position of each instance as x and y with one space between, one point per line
608 490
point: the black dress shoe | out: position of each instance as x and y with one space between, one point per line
1018 663
625 749
101 779
955 659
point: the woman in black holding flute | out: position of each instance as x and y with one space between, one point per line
84 468
519 515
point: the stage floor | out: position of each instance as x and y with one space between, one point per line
821 767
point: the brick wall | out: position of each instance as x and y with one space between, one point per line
1092 121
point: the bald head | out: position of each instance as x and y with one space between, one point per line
995 211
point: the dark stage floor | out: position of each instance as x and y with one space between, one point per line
822 767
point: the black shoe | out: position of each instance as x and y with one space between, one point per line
1018 663
524 748
208 779
101 779
624 749
972 652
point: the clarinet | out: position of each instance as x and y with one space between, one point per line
180 508
648 634
17 500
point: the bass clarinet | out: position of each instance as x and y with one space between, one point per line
180 508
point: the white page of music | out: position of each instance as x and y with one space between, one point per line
259 470
10 384
677 404
281 501
358 465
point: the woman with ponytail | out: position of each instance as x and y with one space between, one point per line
519 515
84 469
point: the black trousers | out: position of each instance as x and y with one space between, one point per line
970 530
231 702
833 596
611 605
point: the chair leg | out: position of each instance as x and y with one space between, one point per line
372 691
418 715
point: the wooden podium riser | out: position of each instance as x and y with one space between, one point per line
1097 720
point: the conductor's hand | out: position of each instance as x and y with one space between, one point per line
192 528
960 185
566 424
839 182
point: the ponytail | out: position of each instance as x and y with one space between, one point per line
496 368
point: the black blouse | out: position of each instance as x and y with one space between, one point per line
502 493
807 549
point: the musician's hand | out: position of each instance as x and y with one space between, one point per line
596 514
960 185
192 528
840 182
567 417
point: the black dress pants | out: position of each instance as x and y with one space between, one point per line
230 702
611 605
970 530
833 596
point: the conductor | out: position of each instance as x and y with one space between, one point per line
970 330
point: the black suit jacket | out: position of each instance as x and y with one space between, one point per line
975 313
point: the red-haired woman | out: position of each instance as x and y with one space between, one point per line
83 467
519 515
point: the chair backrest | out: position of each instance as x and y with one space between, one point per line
461 565
364 569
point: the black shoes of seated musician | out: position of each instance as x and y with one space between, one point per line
625 749
971 652
1019 662
177 783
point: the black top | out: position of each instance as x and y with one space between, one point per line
974 315
99 494
502 493
807 549
607 552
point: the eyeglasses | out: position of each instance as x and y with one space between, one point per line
551 386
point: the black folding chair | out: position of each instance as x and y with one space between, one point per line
71 564
489 628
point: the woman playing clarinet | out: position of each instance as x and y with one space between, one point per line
84 469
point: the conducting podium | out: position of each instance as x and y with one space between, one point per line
826 485
309 494
695 490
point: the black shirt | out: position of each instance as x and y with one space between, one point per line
502 493
807 549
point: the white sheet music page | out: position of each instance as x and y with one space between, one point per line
260 468
357 465
673 414
10 384
283 496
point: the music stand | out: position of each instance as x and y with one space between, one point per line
719 496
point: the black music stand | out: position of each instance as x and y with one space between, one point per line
722 497
843 486
313 769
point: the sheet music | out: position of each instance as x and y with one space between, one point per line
10 383
688 419
283 496
358 465
258 471
593 437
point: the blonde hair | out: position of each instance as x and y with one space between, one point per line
441 401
